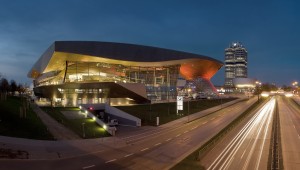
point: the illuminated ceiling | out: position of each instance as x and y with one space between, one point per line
191 65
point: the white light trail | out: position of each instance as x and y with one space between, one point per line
256 129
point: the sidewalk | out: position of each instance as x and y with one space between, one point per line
59 131
39 149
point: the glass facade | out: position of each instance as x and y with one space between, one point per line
83 72
160 82
235 63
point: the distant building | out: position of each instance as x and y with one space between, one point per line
235 64
245 85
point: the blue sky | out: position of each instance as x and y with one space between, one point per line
269 29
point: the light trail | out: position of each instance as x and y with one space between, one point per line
255 129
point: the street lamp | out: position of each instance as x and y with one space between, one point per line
295 84
258 84
188 110
221 97
83 132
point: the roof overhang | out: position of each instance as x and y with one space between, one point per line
191 65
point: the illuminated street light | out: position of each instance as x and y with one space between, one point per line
295 83
258 84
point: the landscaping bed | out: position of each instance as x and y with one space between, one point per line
90 129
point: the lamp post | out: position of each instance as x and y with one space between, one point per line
295 84
83 132
258 84
222 92
188 110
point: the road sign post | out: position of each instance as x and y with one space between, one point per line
179 103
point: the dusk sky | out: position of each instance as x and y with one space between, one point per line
269 29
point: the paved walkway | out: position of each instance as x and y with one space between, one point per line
59 131
39 149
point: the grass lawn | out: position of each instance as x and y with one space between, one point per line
167 111
12 125
91 128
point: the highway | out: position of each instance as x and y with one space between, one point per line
157 149
289 115
247 146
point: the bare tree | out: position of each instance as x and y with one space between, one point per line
4 87
21 88
13 87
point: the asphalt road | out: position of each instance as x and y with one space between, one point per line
247 146
157 149
290 133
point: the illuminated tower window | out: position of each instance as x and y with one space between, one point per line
235 63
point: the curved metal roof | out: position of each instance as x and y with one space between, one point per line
127 54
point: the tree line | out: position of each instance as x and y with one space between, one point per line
11 87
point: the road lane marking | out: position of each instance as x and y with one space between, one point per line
86 167
128 155
243 153
168 139
157 144
204 123
178 135
110 160
194 127
186 131
229 153
144 149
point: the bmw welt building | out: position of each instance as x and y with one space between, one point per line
70 73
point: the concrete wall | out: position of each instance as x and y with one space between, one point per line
114 113
122 116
